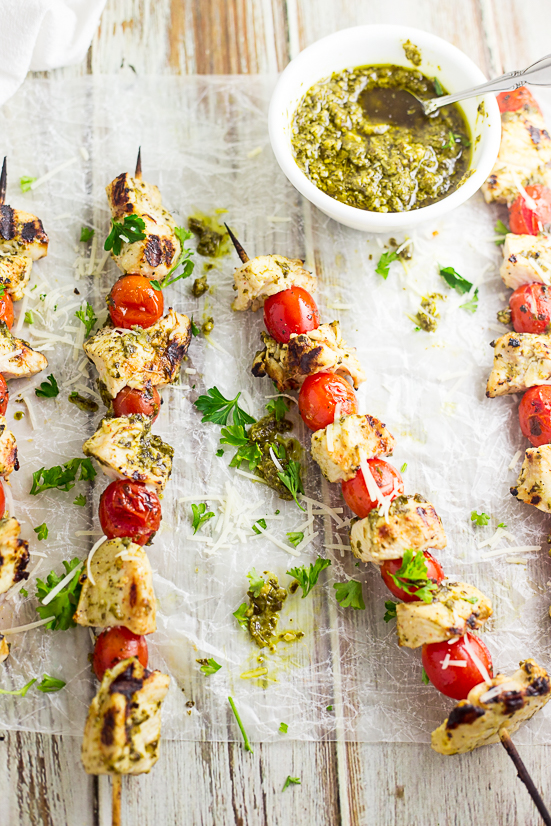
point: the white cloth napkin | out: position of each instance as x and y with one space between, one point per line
37 35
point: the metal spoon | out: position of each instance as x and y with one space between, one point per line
538 74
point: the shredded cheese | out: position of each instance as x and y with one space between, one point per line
476 659
514 460
9 497
522 549
276 461
54 171
28 627
445 662
91 554
59 587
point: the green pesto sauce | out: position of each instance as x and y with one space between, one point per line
412 52
18 415
200 286
212 238
263 614
88 405
265 432
427 317
374 162
208 325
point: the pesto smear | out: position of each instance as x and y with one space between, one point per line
357 140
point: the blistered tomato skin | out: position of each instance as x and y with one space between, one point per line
435 572
290 311
4 395
117 644
6 310
129 509
531 308
319 396
2 501
534 415
355 492
453 680
516 99
131 401
133 302
524 219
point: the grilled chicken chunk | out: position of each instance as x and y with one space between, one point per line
524 154
123 591
21 232
8 450
319 351
14 554
15 272
267 275
412 523
504 703
521 360
17 358
123 728
526 258
4 649
534 483
337 447
126 447
455 609
134 357
159 250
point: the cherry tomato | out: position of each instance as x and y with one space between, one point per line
2 501
4 395
116 644
435 572
6 310
534 415
319 396
134 302
523 219
515 100
531 308
129 401
129 508
355 491
290 311
456 681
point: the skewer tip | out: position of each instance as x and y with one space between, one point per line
138 173
3 181
238 248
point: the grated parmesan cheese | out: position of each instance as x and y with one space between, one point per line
91 554
28 627
59 587
476 659
54 171
514 460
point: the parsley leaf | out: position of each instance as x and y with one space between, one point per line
130 230
502 525
329 708
199 516
29 317
219 452
209 666
390 610
24 592
261 523
455 281
412 576
25 184
20 692
404 467
307 577
247 451
86 234
63 605
88 317
184 258
291 780
472 304
349 594
48 389
63 477
291 478
383 266
50 684
217 409
481 519
257 583
195 330
241 616
295 537
438 88
283 728
247 744
501 230
80 500
41 531
278 407
424 677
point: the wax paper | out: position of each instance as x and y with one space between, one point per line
205 143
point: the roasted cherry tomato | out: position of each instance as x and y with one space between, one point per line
531 308
290 311
134 302
515 100
451 679
319 396
523 218
534 415
130 509
6 310
355 491
117 644
435 572
2 501
4 395
129 401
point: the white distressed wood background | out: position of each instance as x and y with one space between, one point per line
342 783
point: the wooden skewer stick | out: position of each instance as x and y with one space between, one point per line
138 173
116 793
238 248
3 182
523 775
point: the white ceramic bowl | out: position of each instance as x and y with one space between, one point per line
372 45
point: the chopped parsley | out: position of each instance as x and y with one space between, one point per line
349 594
219 452
247 451
329 708
472 304
86 234
260 523
295 537
29 317
241 616
454 138
195 330
501 230
279 407
199 516
295 781
424 677
481 519
184 259
25 183
438 88
80 500
41 532
404 467
129 231
291 476
24 592
283 728
455 281
209 666
63 477
20 692
307 577
383 266
256 582
50 684
48 389
63 605
412 576
88 317
217 409
502 525
390 610
248 746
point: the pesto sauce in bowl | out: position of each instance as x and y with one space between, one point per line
379 166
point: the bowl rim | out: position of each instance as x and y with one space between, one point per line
350 215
